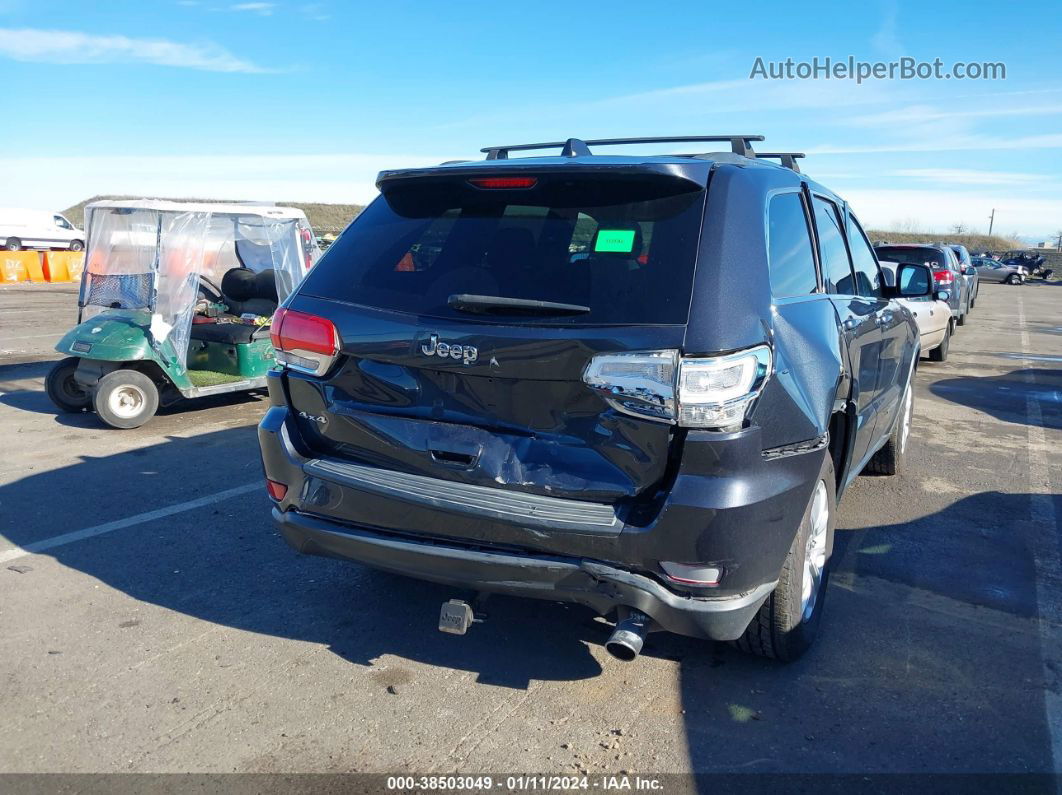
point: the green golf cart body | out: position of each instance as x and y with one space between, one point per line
176 300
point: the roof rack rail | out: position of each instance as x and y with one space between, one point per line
739 144
788 158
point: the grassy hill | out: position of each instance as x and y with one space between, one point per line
323 217
972 242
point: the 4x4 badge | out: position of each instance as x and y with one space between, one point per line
320 420
445 350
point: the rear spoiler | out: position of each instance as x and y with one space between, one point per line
696 174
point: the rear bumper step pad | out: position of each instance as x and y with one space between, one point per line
529 510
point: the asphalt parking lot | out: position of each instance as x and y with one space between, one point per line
152 620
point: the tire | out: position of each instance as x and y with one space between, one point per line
125 399
77 245
63 390
13 244
961 321
787 623
890 458
1014 279
940 353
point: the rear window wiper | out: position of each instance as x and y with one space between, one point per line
493 304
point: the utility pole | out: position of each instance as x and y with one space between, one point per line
991 220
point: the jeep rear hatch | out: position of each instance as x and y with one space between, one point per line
467 307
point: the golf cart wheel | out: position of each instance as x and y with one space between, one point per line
66 393
76 245
940 353
1014 279
786 624
13 244
125 399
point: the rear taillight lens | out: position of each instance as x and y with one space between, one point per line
713 392
276 489
304 342
943 277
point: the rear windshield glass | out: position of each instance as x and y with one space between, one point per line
623 248
919 256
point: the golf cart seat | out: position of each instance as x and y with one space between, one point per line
243 291
226 333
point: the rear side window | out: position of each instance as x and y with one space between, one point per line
789 251
836 269
624 247
868 276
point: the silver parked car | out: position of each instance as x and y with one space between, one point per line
969 272
992 270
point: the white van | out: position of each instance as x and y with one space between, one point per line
38 229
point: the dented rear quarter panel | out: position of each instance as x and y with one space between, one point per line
733 309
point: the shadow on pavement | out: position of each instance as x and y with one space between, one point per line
1004 396
929 657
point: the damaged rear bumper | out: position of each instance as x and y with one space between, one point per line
600 587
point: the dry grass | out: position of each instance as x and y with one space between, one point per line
972 242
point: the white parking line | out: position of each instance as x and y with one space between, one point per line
56 335
109 527
1046 557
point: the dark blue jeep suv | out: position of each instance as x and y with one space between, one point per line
638 383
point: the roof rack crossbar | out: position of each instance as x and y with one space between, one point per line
739 144
788 158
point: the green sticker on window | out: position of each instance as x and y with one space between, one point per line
615 240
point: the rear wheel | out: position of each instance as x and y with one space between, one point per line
889 459
125 399
940 353
1014 279
66 393
786 624
76 245
13 244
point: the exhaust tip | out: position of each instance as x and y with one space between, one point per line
627 638
623 648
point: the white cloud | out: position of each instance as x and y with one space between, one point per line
965 176
73 47
913 114
265 9
58 182
945 144
938 210
886 41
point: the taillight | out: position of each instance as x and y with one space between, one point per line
943 277
276 489
303 342
712 392
307 246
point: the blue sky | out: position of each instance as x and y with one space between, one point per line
308 100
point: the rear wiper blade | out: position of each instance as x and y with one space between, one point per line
493 304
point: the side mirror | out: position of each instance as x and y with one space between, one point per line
942 295
970 271
914 281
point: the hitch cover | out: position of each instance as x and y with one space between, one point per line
455 617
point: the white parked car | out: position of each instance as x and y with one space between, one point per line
21 228
933 315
